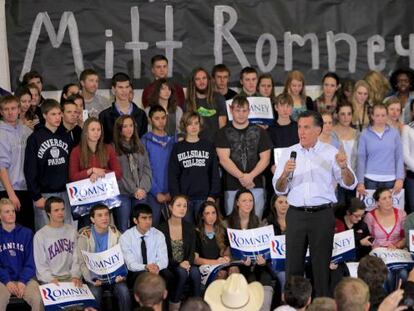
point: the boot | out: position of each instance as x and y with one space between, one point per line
267 299
174 306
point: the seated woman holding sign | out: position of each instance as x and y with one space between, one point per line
92 158
385 223
180 239
243 217
211 241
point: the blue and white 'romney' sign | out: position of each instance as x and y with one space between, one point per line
261 111
106 266
66 295
251 242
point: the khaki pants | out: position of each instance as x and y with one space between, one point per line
31 296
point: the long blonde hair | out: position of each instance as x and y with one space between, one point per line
295 75
379 86
86 153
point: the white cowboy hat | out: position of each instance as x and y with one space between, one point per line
234 294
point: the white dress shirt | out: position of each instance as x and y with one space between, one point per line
314 179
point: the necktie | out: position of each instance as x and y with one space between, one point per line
144 251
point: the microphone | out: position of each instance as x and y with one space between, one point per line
293 155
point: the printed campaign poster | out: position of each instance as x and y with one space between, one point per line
83 194
209 272
106 266
65 296
250 242
261 111
394 259
343 249
277 154
398 200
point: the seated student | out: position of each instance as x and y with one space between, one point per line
17 267
180 239
143 246
70 120
297 294
137 176
54 247
99 237
150 291
158 145
193 167
211 242
13 137
243 217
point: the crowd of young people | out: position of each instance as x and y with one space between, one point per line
179 163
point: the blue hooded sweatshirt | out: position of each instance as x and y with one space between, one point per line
16 255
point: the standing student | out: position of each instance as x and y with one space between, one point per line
54 247
380 155
121 88
92 158
35 79
407 138
180 239
394 109
266 86
244 152
248 82
158 145
164 95
136 168
211 106
348 136
46 162
94 103
13 137
68 90
70 120
360 103
99 237
295 87
193 167
26 115
310 219
401 81
17 267
220 76
159 70
328 100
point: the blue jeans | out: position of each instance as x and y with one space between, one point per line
374 185
181 276
193 209
122 214
120 290
393 278
156 209
259 201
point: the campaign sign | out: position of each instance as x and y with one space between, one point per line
66 295
83 194
250 242
343 249
277 154
398 200
394 259
106 266
209 272
411 241
261 111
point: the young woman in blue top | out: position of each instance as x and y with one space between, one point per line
380 155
